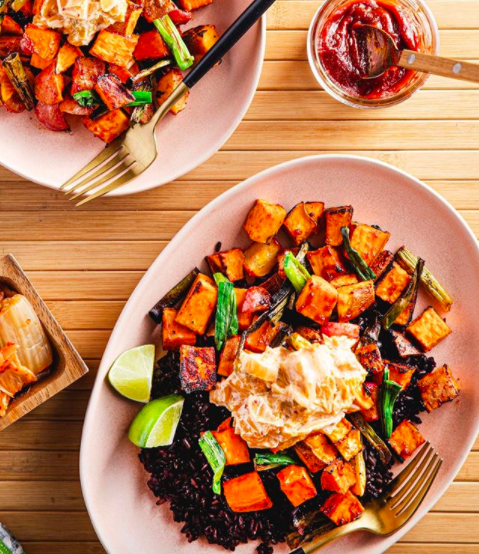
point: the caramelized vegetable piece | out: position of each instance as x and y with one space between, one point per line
369 356
232 264
338 477
226 424
326 263
429 329
316 452
108 126
315 211
404 346
190 5
257 299
85 74
51 117
351 445
197 368
382 263
151 46
317 300
372 413
299 225
113 94
127 27
353 300
67 56
244 319
296 484
264 220
234 447
173 334
342 508
333 329
359 465
437 388
113 48
199 305
200 39
44 42
9 26
345 280
9 45
261 258
246 493
39 63
259 340
10 97
173 296
71 106
19 78
368 241
49 86
393 283
336 218
154 9
363 399
339 431
166 85
228 356
405 439
400 373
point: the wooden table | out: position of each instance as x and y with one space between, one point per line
86 262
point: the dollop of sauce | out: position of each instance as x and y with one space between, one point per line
339 51
279 397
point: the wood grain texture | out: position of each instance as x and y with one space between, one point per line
85 263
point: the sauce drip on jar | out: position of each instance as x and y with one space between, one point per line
339 51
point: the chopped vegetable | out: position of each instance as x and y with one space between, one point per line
197 368
313 525
261 258
429 329
16 73
264 220
199 304
215 456
173 334
142 113
338 477
49 86
67 56
359 466
175 43
404 346
437 388
372 437
336 219
326 262
405 439
85 74
150 70
226 324
151 46
317 300
400 373
295 272
372 413
234 447
228 356
351 445
296 484
353 300
362 269
173 296
200 39
316 452
382 263
338 432
267 460
334 329
342 508
113 93
257 299
298 342
370 358
246 493
393 283
190 5
113 48
299 225
388 395
228 262
311 334
259 339
368 241
108 126
244 319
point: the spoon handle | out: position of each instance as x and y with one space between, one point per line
439 66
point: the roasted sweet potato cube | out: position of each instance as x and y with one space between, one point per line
362 399
339 431
368 241
405 439
369 356
67 56
315 211
39 63
235 448
246 493
353 300
381 263
336 218
122 73
429 329
232 264
10 97
154 9
326 262
335 329
393 283
151 46
317 300
10 44
400 373
113 48
226 424
85 74
299 225
260 258
49 86
309 333
214 263
112 92
8 26
264 220
228 356
44 42
197 368
345 280
259 340
190 5
166 85
342 508
127 27
316 452
437 388
257 299
71 106
351 445
108 126
200 39
338 477
199 304
296 484
244 319
173 334
372 413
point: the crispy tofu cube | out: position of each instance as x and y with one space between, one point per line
200 39
339 431
108 126
400 373
67 56
127 27
381 263
405 439
437 388
199 305
393 283
316 452
246 493
317 300
299 225
197 368
235 448
338 477
245 319
315 211
370 358
259 340
113 48
173 334
296 484
368 241
372 413
342 508
345 280
151 46
44 42
260 258
429 329
166 85
232 264
353 300
351 445
336 218
112 92
228 356
326 263
190 5
264 220
86 72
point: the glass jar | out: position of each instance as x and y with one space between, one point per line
428 33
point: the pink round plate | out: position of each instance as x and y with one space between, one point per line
121 507
215 108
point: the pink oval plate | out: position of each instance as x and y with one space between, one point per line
121 507
215 108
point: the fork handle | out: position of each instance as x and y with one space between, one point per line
329 536
227 40
439 66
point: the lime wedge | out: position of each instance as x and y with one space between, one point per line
156 423
132 372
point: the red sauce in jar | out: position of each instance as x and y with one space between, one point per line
339 53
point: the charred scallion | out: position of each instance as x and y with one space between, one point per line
16 73
173 296
388 395
226 323
267 460
215 456
150 70
298 342
170 34
295 271
362 269
372 437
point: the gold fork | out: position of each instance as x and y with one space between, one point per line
129 155
390 512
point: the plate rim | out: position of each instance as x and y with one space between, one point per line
425 508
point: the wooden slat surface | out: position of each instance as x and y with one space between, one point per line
87 262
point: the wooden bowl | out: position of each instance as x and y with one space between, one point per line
67 365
